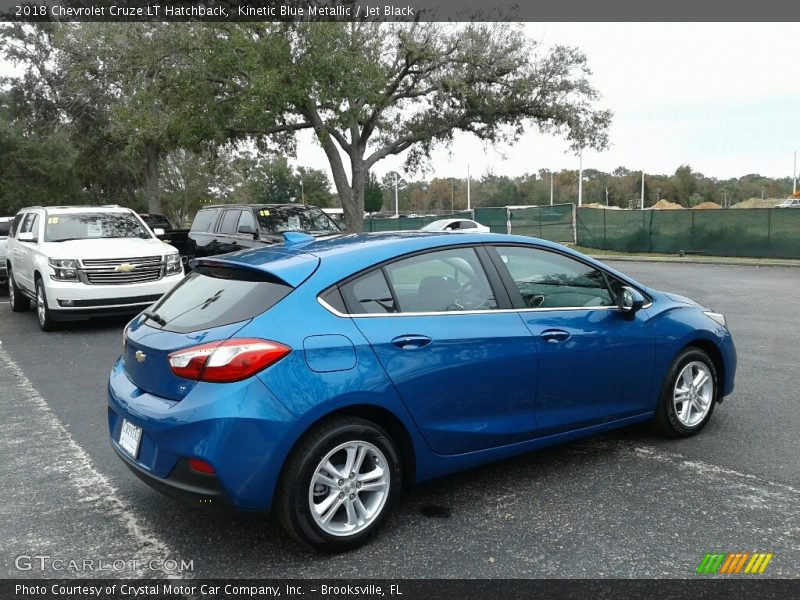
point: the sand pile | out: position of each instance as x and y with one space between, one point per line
706 205
666 205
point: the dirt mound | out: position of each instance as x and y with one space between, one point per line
598 205
758 203
666 205
706 205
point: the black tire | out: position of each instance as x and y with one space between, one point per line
18 302
667 420
43 314
292 503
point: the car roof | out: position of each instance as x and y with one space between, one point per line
273 205
78 209
345 254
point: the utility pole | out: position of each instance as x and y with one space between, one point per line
642 190
580 177
606 195
452 197
396 203
469 198
794 175
551 187
302 191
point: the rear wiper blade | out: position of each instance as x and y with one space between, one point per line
154 317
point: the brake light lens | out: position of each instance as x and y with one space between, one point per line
201 466
228 361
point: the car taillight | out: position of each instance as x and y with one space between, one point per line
223 362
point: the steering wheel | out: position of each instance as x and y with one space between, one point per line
471 296
534 300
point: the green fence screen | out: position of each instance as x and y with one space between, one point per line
552 223
495 219
756 232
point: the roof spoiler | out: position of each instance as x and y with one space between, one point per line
231 270
296 238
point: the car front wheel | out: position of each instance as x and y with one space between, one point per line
339 485
688 395
43 312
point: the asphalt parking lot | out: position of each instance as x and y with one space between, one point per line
627 504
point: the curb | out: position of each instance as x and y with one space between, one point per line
701 261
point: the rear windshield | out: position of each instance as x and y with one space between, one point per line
308 219
5 226
212 297
156 222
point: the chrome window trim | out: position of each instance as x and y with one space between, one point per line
337 313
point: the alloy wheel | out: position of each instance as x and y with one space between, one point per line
349 488
41 309
693 393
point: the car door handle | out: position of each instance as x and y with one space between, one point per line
554 336
411 342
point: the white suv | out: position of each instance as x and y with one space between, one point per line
81 261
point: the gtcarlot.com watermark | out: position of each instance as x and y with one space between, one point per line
46 562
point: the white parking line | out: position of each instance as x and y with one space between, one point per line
55 481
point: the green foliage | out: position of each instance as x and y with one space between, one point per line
36 170
371 90
373 195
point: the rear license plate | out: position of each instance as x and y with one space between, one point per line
130 437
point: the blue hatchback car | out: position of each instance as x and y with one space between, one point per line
316 377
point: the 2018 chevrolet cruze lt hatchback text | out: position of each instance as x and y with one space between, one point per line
316 377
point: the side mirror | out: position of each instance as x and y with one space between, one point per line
630 301
158 231
246 229
26 237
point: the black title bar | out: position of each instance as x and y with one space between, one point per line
729 588
399 10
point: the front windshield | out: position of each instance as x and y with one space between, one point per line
87 226
294 218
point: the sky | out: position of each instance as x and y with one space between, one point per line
723 98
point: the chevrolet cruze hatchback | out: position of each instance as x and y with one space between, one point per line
317 377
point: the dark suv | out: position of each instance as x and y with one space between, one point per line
229 227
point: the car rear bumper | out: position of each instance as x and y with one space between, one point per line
80 300
240 429
183 484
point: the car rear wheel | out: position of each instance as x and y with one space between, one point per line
18 302
43 312
339 485
688 395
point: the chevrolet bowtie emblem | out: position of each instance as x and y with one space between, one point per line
140 356
125 268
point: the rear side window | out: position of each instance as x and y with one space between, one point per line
204 219
229 220
15 225
441 281
212 297
156 222
369 294
5 227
